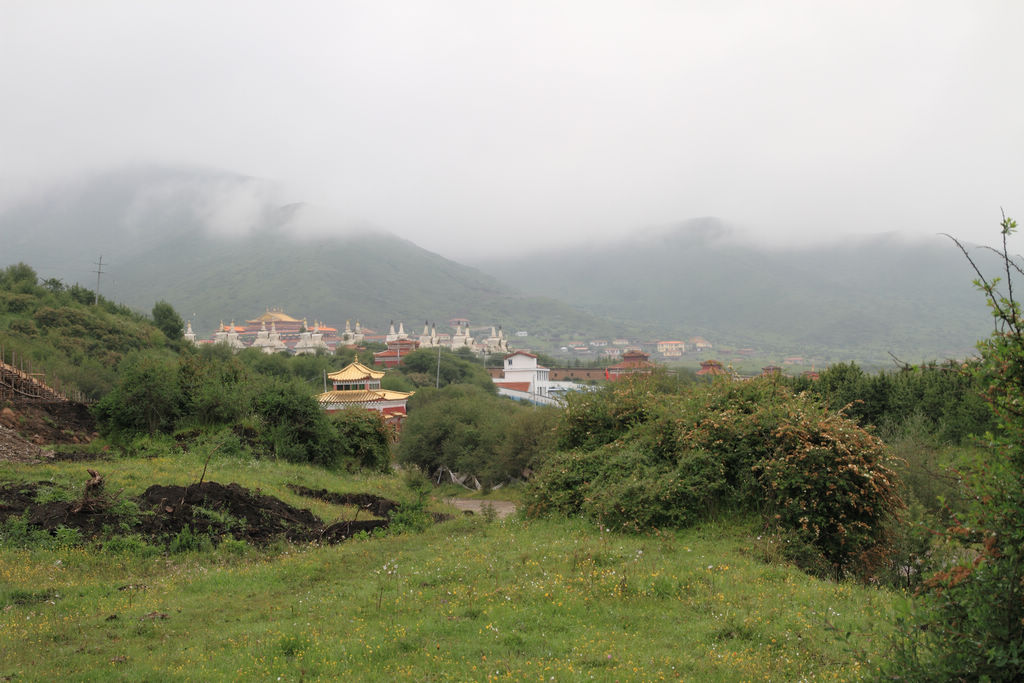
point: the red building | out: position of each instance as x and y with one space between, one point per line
633 363
711 368
397 350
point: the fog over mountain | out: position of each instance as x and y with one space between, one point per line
864 297
117 214
221 246
458 122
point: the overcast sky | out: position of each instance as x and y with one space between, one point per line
458 124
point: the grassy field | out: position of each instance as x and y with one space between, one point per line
470 599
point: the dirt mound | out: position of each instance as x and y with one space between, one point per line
376 505
338 532
57 422
218 510
210 508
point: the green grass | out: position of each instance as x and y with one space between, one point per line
466 600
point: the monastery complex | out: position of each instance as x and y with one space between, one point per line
277 332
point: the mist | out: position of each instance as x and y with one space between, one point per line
477 127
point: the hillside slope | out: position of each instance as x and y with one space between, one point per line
861 299
221 246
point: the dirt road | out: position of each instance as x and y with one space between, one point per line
504 508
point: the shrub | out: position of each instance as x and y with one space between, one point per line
147 399
969 623
295 428
644 459
593 419
826 480
187 540
460 427
364 439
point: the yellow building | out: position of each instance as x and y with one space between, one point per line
357 385
285 324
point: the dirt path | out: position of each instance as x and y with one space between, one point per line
504 508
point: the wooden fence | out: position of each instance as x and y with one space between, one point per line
19 381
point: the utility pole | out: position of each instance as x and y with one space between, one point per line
437 383
98 271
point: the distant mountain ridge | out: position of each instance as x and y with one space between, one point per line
865 298
222 246
163 235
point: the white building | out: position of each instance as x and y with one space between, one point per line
310 342
228 335
350 338
524 380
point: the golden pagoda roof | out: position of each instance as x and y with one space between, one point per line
389 395
277 316
361 396
355 371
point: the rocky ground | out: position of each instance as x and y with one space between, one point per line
13 448
25 428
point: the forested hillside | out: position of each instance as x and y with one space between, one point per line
65 334
221 246
861 299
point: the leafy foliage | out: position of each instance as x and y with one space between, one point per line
422 370
944 397
969 624
147 398
168 320
470 430
293 426
636 458
364 439
62 332
232 403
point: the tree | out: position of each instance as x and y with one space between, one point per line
53 284
461 427
19 277
147 398
969 624
294 427
421 366
216 386
168 320
364 439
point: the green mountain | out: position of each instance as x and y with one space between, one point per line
861 299
220 246
217 247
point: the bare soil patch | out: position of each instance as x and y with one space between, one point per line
217 510
58 422
13 448
377 505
